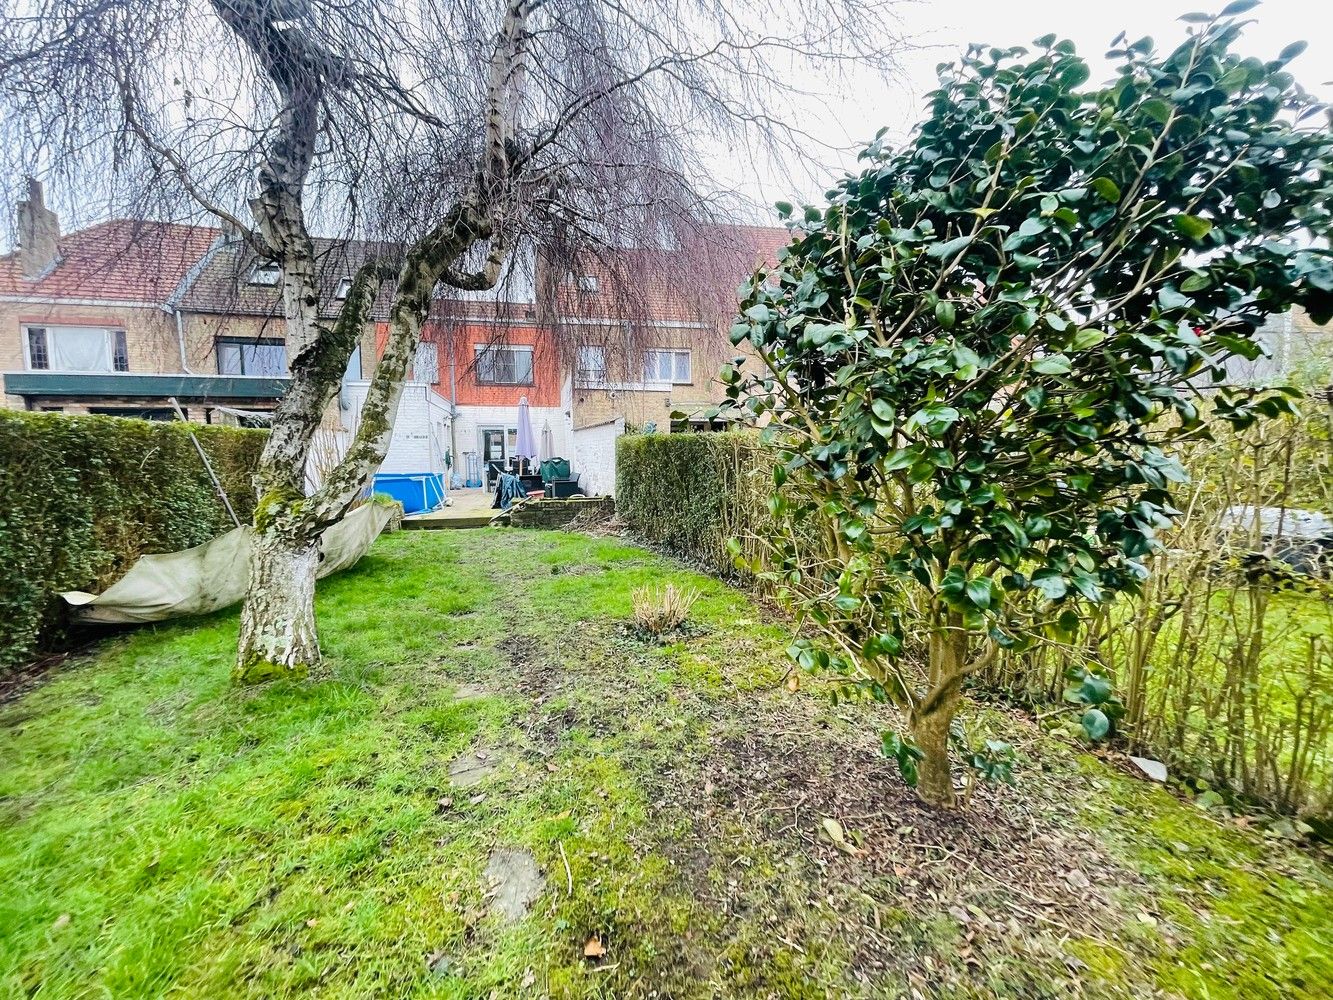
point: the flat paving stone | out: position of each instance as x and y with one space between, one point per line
470 769
514 882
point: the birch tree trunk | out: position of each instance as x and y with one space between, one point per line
278 635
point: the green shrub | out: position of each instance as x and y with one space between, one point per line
81 498
691 493
1226 679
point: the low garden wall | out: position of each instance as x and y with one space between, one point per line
82 497
555 514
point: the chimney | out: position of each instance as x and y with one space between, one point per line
39 232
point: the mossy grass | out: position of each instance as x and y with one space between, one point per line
162 831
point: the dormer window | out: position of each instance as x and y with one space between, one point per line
266 272
344 288
583 282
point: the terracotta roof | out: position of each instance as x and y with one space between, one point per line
122 260
127 260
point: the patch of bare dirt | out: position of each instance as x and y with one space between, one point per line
1014 869
18 680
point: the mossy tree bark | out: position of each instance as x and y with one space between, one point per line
278 637
932 716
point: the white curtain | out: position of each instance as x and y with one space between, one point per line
75 349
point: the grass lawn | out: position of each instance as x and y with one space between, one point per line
164 834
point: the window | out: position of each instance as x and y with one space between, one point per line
426 363
77 349
499 364
38 358
237 356
583 282
344 286
590 367
266 272
666 366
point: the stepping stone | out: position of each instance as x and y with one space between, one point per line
1153 769
470 769
514 882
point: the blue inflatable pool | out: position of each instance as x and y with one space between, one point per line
416 491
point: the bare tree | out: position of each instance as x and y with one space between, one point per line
450 131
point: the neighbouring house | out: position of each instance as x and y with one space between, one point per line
123 317
90 320
232 309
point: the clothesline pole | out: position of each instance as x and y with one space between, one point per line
207 464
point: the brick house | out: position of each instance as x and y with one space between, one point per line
90 320
121 317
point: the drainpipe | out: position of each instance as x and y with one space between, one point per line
453 406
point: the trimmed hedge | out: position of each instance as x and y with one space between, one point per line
690 493
81 498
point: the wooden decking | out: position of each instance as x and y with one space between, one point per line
470 509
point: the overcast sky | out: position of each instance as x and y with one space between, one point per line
943 28
938 30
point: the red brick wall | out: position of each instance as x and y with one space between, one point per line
460 343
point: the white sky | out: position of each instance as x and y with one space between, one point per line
943 28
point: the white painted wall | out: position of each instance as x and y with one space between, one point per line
595 457
420 430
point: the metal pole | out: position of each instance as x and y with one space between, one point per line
207 464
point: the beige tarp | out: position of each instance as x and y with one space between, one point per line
214 575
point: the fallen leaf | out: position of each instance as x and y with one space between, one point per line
1077 879
442 804
593 947
834 830
61 921
311 922
793 681
477 799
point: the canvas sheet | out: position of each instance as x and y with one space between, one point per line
214 575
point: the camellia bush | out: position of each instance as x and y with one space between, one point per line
978 355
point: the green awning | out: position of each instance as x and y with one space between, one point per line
128 385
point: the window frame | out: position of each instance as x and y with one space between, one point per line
587 375
675 352
344 288
588 284
424 349
235 341
117 347
264 265
479 350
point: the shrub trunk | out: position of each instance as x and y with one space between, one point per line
933 715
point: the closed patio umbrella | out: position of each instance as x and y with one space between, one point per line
526 445
547 449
